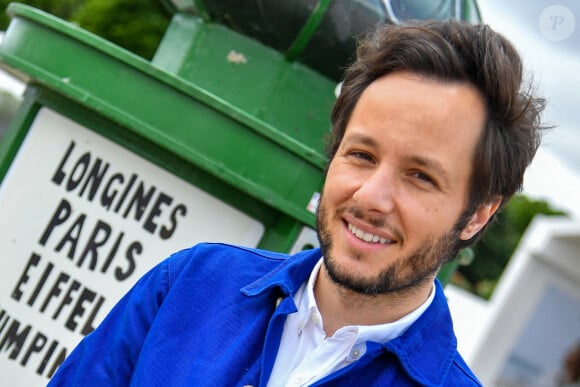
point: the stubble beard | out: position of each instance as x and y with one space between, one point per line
403 275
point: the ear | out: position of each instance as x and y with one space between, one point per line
480 218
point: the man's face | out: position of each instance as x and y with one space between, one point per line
399 183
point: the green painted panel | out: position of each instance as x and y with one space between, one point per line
176 115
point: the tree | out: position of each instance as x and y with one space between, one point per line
136 25
60 8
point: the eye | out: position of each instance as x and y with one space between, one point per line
360 155
423 177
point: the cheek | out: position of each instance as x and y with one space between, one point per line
438 215
427 213
339 183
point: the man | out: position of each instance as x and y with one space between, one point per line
431 135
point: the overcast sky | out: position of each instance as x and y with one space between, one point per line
547 34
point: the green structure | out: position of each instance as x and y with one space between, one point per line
246 126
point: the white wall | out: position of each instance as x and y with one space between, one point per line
520 337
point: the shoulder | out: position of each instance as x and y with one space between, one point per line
238 268
221 252
218 258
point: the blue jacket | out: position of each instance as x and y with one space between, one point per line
212 316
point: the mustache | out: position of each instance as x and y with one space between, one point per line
375 221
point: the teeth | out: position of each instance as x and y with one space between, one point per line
367 236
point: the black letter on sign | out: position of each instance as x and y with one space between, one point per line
80 167
79 309
165 232
73 234
67 298
59 174
109 195
37 344
33 261
60 216
55 291
12 336
150 224
135 247
88 328
40 284
94 178
140 201
99 237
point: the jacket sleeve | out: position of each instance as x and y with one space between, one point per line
107 356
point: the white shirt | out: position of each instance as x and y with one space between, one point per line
307 355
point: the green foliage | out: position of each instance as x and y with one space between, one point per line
60 8
136 25
493 252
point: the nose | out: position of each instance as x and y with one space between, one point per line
377 192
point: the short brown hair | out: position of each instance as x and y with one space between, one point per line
454 51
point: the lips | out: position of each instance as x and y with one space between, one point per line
367 236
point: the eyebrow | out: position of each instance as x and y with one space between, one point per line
357 138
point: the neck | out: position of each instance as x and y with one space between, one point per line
342 307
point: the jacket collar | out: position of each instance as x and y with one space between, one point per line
288 276
429 347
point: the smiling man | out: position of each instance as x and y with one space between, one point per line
431 134
395 191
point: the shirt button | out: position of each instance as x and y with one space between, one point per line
355 354
315 317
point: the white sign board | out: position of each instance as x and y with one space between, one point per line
81 219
